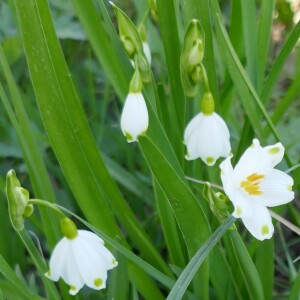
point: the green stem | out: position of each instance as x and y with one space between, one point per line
47 204
204 73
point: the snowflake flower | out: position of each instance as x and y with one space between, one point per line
254 184
81 260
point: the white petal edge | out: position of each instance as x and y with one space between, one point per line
276 188
58 259
257 159
70 273
259 224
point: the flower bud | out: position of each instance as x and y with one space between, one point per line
132 43
18 199
217 202
191 58
153 10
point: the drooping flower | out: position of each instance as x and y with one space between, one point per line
207 136
254 184
81 259
134 118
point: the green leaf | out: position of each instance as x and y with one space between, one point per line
295 289
264 37
250 39
170 36
243 265
32 154
264 261
11 276
189 272
70 137
276 70
187 210
200 10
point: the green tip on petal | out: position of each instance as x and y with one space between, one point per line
210 160
274 150
238 210
290 187
98 282
68 228
265 229
128 137
73 288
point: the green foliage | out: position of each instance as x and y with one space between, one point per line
65 72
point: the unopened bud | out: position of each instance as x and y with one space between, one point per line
191 58
17 198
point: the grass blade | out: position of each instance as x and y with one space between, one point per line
189 272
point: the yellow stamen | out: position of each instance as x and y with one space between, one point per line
251 185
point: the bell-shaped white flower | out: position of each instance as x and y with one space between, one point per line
134 118
82 260
207 136
254 184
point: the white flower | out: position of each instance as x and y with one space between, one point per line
254 184
147 52
81 260
134 119
207 136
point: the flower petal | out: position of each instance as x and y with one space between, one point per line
242 205
276 188
207 136
70 273
58 259
226 176
240 201
214 142
88 235
134 118
258 160
259 224
93 261
191 137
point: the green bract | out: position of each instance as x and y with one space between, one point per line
132 42
191 57
217 202
17 201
